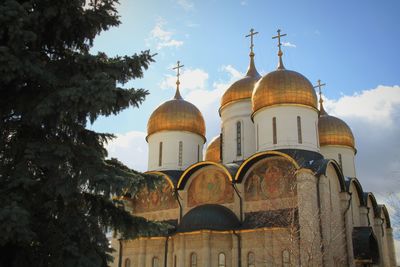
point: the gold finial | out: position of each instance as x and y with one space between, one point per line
177 68
321 107
280 53
251 35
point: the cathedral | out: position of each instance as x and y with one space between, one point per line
277 187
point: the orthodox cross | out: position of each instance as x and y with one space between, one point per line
251 35
279 39
319 86
177 68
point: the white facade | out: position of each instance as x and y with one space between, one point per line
232 115
174 150
296 128
343 155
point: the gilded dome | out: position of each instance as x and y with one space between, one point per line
213 152
243 88
176 115
334 131
283 87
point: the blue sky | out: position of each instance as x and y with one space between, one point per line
351 45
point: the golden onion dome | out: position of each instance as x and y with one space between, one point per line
176 115
334 131
283 87
213 152
243 88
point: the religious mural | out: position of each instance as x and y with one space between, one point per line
270 178
160 198
210 186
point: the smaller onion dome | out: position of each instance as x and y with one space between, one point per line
176 115
243 88
333 131
213 152
209 217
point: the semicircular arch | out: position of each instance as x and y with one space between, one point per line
360 193
195 167
245 166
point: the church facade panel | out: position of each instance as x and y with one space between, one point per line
209 185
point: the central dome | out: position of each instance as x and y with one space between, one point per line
283 87
176 115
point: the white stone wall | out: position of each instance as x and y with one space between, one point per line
333 223
239 111
192 150
347 154
286 126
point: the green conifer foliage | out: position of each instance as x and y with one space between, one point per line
55 182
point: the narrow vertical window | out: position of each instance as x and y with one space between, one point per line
198 153
160 154
257 139
299 136
155 262
127 263
340 161
238 138
274 131
193 260
221 260
180 153
285 258
251 262
221 144
330 195
175 263
316 132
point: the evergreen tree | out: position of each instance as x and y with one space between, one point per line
55 181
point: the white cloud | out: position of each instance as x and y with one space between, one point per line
186 4
243 3
131 149
208 101
190 79
288 44
374 117
376 105
161 37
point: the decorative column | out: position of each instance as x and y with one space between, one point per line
310 235
142 252
390 240
181 252
348 227
206 250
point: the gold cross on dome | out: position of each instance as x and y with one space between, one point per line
178 66
279 39
319 86
251 35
